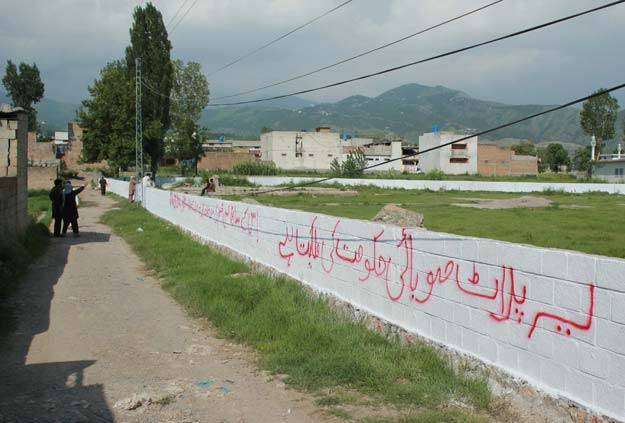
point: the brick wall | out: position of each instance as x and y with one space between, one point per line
554 318
41 177
224 160
497 161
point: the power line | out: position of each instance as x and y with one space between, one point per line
280 37
183 16
177 12
429 59
478 134
365 53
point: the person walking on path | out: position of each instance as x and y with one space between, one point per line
70 210
103 184
56 196
131 189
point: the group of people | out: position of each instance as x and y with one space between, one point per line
65 207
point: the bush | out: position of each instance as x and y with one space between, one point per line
255 168
352 166
435 175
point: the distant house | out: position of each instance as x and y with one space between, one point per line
224 154
498 161
380 152
301 150
453 159
610 167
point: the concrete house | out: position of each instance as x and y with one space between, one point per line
454 159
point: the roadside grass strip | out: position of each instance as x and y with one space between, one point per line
296 333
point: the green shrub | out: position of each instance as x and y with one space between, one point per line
255 168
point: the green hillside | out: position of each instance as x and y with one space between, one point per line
409 110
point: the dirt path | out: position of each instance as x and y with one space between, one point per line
98 340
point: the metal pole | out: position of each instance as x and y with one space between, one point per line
138 121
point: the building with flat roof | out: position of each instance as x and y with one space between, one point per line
301 150
454 159
610 167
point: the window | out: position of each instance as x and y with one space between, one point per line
311 155
458 160
329 155
283 154
298 154
618 171
458 146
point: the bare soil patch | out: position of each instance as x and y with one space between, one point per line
526 201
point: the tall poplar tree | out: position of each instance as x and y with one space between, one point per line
149 42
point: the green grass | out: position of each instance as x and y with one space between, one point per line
598 229
293 332
16 255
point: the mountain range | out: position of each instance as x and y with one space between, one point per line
408 111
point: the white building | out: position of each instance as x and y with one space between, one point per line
301 150
379 153
454 159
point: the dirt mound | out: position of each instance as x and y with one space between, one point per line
392 214
527 201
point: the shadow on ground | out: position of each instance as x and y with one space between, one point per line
50 391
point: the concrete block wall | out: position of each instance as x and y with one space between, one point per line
554 318
452 185
13 172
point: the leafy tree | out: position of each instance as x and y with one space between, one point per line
581 158
555 156
149 42
24 86
108 118
525 148
598 117
189 96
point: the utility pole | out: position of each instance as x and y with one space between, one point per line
138 122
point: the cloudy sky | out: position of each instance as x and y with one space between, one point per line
71 40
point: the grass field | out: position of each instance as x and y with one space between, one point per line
300 335
595 224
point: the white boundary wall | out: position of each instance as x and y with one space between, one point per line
554 318
451 185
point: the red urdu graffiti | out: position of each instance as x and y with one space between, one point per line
364 257
505 298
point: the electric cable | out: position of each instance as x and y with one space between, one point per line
365 53
478 134
169 22
182 18
429 59
264 46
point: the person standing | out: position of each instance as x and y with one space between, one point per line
56 196
70 210
131 189
103 184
